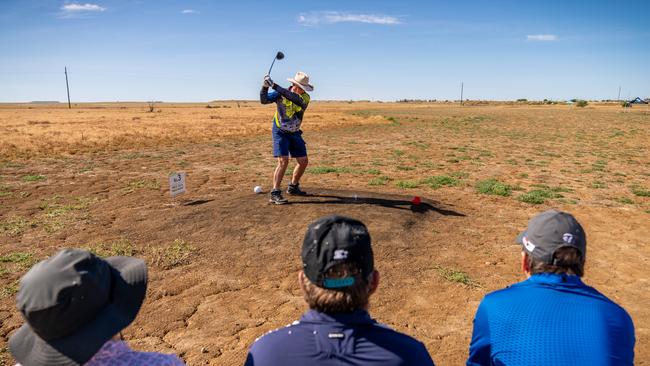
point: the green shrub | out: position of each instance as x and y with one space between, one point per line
540 195
174 255
535 197
581 103
438 181
33 178
379 181
493 187
625 200
328 169
406 184
640 192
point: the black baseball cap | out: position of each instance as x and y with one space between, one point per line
332 240
550 231
73 303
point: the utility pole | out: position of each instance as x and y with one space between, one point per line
461 93
619 94
67 87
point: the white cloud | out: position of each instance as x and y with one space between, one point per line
81 8
332 17
542 37
188 11
79 11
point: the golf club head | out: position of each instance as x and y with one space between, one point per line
279 55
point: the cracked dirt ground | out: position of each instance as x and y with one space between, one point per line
223 263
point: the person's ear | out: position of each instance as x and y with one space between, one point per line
374 281
525 264
301 281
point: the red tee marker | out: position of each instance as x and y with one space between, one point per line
416 200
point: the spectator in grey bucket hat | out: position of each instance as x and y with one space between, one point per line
74 304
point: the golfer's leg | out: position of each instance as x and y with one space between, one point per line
299 170
298 150
283 162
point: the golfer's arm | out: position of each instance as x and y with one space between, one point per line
266 97
293 97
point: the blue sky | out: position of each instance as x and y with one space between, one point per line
199 50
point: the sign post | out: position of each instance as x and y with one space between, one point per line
177 184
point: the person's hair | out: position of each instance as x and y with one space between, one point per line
338 300
566 260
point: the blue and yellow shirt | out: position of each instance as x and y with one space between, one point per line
290 107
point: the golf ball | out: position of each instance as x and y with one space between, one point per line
257 189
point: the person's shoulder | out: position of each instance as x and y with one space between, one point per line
506 292
613 307
396 337
275 337
409 348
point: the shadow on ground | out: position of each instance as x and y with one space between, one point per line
370 198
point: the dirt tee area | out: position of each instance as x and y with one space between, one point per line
223 263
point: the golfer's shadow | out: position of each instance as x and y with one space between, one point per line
398 204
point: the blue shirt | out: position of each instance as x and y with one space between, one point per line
353 339
551 319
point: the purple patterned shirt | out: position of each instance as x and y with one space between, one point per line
117 353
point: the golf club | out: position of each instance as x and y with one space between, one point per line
278 56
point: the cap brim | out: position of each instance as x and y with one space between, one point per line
129 289
520 238
305 87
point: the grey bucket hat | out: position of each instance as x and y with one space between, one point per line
550 231
73 303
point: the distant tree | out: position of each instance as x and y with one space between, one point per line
581 103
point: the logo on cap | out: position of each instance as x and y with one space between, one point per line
340 254
528 244
568 238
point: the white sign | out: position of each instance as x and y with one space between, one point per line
177 184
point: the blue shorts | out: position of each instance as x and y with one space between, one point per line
288 144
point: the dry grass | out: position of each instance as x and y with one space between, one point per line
31 130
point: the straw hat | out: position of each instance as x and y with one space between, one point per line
302 80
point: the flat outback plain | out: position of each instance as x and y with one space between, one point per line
223 263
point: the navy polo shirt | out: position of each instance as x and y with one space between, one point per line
353 339
551 319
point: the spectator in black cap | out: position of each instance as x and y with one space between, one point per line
552 318
75 304
337 280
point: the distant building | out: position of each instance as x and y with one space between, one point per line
638 100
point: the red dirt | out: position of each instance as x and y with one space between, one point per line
241 279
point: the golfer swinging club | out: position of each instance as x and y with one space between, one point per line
287 136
